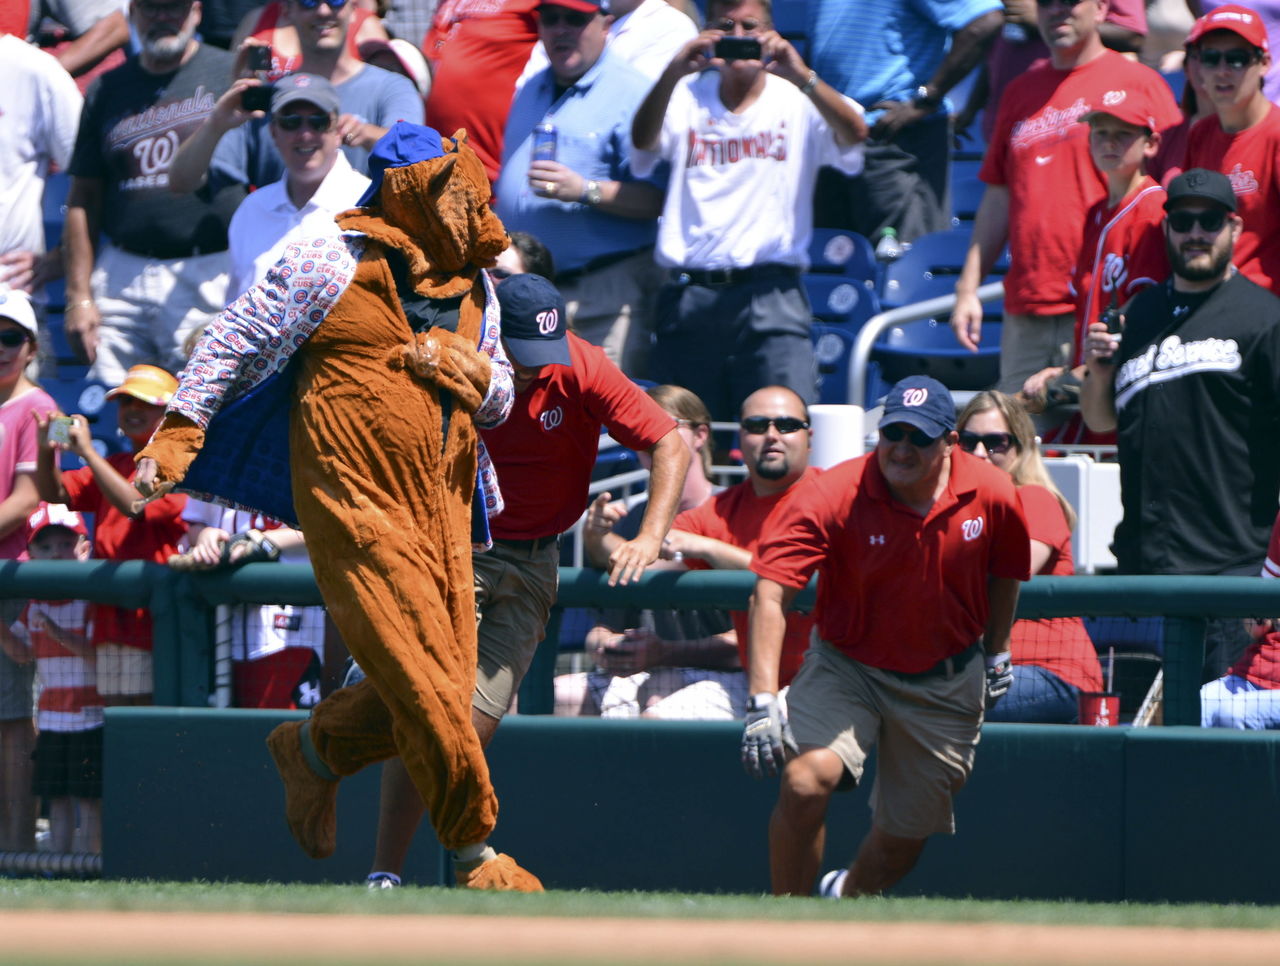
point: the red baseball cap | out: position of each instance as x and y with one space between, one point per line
55 515
1131 106
1239 20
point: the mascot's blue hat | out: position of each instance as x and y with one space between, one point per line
403 145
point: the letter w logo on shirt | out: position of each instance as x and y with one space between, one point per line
551 418
972 529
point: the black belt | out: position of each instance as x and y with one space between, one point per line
603 261
537 543
947 667
166 254
732 276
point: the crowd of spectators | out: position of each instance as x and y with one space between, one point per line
659 163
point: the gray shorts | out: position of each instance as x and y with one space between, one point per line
17 682
927 729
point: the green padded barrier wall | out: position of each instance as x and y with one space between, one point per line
631 805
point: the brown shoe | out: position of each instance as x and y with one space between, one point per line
500 874
310 802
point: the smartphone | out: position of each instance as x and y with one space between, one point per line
1111 319
60 430
259 62
738 48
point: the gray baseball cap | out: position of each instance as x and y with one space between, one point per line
304 89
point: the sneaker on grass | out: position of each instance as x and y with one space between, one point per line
382 880
832 883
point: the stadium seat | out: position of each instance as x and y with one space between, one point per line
840 300
929 347
791 19
929 269
832 345
54 203
966 195
834 251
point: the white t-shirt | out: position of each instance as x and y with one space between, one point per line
741 185
647 38
264 222
39 115
257 631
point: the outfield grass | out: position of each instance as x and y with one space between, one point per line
210 897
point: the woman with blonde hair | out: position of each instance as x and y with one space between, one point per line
1053 659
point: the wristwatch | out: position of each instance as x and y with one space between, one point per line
591 193
925 99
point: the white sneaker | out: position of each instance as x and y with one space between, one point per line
832 884
382 880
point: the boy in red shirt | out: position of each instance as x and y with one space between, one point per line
1123 249
103 487
1242 140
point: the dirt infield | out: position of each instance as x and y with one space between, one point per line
39 936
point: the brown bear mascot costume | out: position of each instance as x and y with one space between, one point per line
371 354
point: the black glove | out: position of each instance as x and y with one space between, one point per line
999 677
766 736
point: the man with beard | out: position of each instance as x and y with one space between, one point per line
1192 389
160 267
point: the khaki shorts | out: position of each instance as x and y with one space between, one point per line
927 730
123 670
515 589
1029 343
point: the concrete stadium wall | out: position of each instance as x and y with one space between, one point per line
1051 812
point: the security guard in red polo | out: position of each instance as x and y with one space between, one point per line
566 390
916 528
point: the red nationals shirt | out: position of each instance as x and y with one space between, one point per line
1248 158
736 516
1123 253
897 590
1040 151
545 451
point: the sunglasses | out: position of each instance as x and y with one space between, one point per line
553 17
758 425
1236 58
312 4
1045 4
994 443
292 122
12 338
896 433
1183 221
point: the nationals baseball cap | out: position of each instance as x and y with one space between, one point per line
582 6
403 145
1201 185
16 307
1239 20
151 384
304 89
921 402
533 321
55 515
1134 107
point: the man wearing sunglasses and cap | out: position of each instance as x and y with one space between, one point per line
1230 49
318 183
1191 386
917 526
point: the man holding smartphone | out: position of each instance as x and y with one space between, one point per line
745 125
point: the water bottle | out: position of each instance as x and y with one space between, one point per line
544 142
888 248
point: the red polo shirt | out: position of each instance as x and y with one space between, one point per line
736 516
545 451
897 590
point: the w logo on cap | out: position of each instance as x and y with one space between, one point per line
915 397
548 321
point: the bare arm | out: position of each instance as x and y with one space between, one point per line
79 248
717 553
784 60
190 167
768 623
646 126
1002 595
120 493
91 47
1097 390
639 649
74 641
19 504
990 232
666 481
1040 553
48 475
17 651
969 45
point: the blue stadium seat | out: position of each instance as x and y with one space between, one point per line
841 300
834 251
929 347
832 345
966 195
791 19
54 202
929 268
